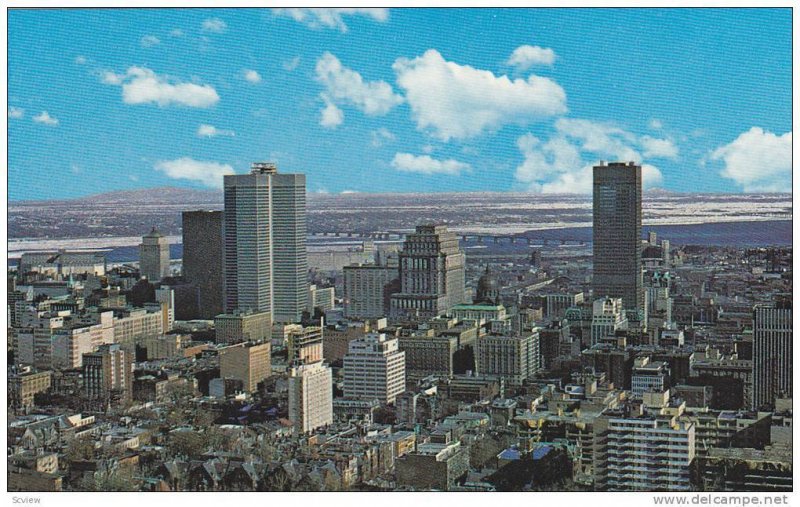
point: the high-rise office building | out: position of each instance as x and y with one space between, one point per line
617 233
107 373
772 352
367 290
154 256
266 264
202 259
374 368
431 274
310 396
249 362
513 357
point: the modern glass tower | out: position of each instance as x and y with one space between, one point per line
265 262
617 233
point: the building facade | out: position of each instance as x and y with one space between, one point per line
367 290
431 274
310 396
265 260
243 326
154 256
374 368
249 362
772 352
617 233
108 374
509 356
202 259
642 453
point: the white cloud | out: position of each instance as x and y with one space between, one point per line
292 64
381 136
758 161
331 18
16 112
141 85
214 25
45 119
212 131
149 41
563 164
207 173
543 162
651 176
330 116
656 124
428 148
252 76
80 60
345 192
176 32
658 148
345 85
525 57
424 164
75 168
603 139
459 101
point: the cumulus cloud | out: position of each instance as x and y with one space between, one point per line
80 60
212 131
176 32
15 112
424 164
458 101
563 163
214 25
655 124
207 173
330 116
252 76
758 161
603 139
331 18
141 85
658 148
45 119
149 41
525 57
381 136
344 85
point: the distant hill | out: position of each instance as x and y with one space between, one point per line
157 195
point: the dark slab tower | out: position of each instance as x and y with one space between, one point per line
617 233
202 259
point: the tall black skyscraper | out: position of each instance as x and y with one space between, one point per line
772 352
202 259
617 233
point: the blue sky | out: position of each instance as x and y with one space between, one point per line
388 101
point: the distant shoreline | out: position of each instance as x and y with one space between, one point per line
746 234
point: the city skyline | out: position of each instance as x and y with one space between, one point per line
530 110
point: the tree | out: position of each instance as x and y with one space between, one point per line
80 449
110 480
